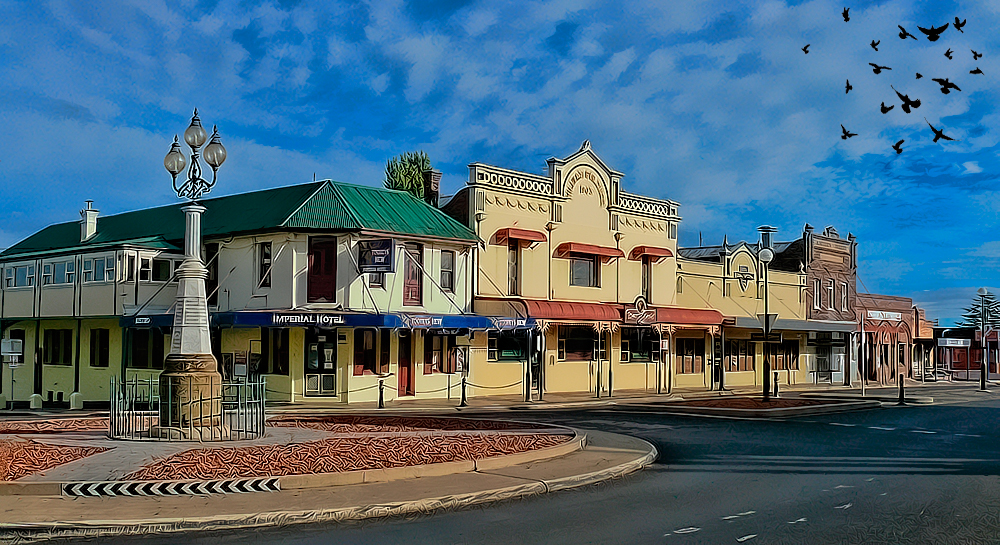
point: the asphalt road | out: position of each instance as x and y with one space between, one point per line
914 474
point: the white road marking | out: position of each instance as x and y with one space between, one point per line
884 494
745 513
687 530
845 425
745 538
803 519
869 480
967 435
845 506
923 431
881 428
843 486
731 517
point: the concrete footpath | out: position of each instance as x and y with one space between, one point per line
25 518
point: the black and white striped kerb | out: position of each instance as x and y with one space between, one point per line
146 488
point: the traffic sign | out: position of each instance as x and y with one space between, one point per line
769 324
773 338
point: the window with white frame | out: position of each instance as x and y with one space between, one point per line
817 296
263 264
58 272
447 270
829 296
99 269
161 270
20 276
843 296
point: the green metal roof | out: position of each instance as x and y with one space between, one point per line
321 205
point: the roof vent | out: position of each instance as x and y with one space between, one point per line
88 222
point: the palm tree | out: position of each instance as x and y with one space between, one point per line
406 172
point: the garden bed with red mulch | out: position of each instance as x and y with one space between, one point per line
354 424
55 425
755 403
19 457
340 454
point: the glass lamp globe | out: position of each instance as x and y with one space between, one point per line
195 134
766 255
215 152
174 162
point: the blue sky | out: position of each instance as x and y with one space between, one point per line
712 104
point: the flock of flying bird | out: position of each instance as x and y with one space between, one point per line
908 104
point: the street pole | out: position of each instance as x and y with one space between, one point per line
765 256
983 364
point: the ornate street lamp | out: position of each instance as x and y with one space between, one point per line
765 256
190 377
984 364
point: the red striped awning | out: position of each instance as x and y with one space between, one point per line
688 316
651 251
513 233
567 248
562 310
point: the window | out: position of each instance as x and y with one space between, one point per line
640 345
513 266
507 345
130 268
829 295
647 278
435 347
21 276
383 353
146 349
61 272
212 266
680 284
672 228
99 348
99 269
447 270
145 269
263 264
739 355
413 291
274 350
58 347
783 356
161 270
816 295
690 356
376 280
365 353
843 296
576 343
584 271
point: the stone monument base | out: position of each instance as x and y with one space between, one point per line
195 433
191 390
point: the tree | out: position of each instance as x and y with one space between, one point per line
973 315
406 172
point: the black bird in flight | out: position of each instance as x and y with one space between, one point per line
948 53
874 44
946 85
878 69
848 134
885 110
903 33
976 71
934 33
907 103
806 49
898 146
975 56
938 134
960 24
847 88
919 75
846 14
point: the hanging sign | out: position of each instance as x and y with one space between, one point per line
375 256
11 347
958 343
883 315
640 313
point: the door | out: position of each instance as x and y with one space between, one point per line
407 380
322 279
824 371
321 365
413 276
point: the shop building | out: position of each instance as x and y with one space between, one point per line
888 327
960 355
591 270
325 288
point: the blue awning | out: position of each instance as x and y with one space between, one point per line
347 319
151 320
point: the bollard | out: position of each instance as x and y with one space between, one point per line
775 384
901 400
381 393
463 403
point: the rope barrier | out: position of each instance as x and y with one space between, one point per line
511 385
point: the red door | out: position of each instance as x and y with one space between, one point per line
322 277
406 385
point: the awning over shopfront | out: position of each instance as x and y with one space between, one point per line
561 310
604 252
651 251
347 319
513 233
786 324
688 316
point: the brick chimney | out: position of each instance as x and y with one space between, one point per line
88 222
432 186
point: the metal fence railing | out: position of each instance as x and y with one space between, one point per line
186 408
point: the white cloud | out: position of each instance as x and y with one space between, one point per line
972 167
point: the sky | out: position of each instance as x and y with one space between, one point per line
709 103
